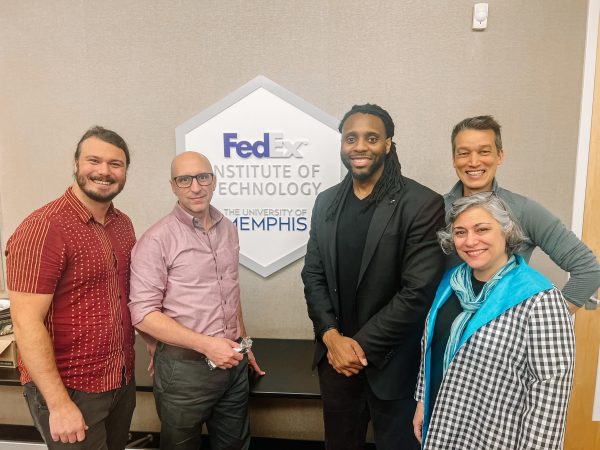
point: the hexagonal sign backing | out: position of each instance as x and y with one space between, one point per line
272 153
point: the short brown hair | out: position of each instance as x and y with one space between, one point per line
107 136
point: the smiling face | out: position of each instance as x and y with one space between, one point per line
364 147
476 159
195 199
480 242
100 170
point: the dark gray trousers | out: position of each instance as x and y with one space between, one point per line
107 414
349 405
188 394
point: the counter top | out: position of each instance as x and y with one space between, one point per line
287 363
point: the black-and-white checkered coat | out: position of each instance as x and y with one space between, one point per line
508 386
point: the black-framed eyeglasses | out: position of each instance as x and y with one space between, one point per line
185 181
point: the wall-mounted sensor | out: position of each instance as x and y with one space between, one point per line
480 16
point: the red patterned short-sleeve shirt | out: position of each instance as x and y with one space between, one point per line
61 250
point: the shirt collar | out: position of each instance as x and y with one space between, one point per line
84 214
457 189
187 219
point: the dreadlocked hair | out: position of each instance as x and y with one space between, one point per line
391 178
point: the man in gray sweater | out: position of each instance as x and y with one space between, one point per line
476 153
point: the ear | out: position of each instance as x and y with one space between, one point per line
500 156
173 186
388 145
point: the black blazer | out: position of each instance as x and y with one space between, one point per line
401 267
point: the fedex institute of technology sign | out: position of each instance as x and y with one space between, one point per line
272 153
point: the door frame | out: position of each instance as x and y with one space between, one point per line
585 117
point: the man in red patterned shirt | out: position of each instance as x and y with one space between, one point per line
68 272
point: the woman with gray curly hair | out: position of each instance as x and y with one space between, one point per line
498 345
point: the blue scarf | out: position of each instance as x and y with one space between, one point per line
461 284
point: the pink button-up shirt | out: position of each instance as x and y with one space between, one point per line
188 273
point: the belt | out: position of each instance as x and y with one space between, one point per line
180 353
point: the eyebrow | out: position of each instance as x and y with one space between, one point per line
483 147
476 225
104 159
368 133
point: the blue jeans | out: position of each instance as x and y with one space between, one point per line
188 394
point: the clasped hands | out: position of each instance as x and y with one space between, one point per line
343 353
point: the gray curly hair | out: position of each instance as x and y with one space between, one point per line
498 209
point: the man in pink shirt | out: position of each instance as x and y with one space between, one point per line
185 294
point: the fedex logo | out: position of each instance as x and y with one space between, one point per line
273 145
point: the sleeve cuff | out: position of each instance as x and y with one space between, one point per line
329 327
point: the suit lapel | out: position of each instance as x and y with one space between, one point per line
381 216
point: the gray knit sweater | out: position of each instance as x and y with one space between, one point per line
547 232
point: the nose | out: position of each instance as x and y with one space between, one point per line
471 240
103 168
195 186
361 144
473 159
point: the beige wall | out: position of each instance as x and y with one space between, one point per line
142 68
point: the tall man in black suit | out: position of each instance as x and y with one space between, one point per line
371 270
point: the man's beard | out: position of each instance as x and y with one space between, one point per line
363 176
96 196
